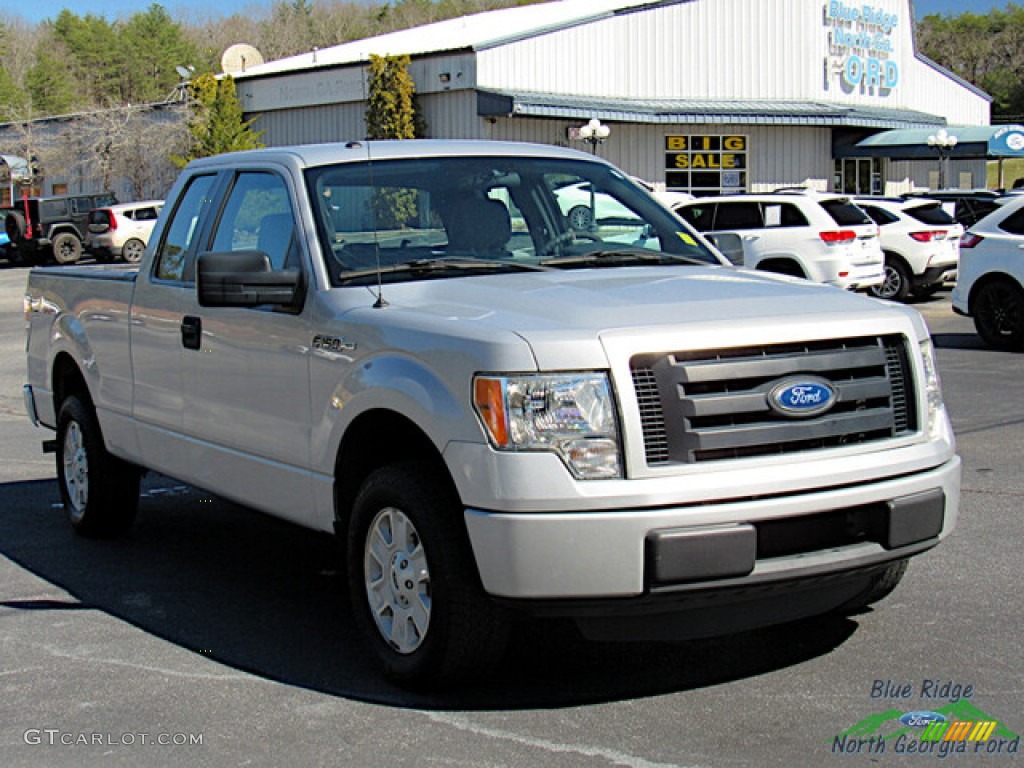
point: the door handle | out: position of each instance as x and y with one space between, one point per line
191 332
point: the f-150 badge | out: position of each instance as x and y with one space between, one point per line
333 343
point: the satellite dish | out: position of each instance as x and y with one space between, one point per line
185 73
238 57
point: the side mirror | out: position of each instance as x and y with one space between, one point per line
729 244
245 279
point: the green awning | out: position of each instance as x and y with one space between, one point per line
973 141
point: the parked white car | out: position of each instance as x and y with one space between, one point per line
584 207
921 243
666 197
122 230
990 284
824 238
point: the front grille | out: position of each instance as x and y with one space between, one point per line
713 405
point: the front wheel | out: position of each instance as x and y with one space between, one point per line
998 311
415 592
100 492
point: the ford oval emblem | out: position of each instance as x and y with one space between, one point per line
802 396
922 718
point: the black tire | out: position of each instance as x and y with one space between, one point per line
132 250
881 586
417 599
14 226
100 492
67 248
782 267
926 291
580 218
896 286
998 310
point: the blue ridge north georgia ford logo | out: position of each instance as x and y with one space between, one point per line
802 396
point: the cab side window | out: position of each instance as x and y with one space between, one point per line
258 217
173 255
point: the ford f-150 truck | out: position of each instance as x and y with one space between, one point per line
408 345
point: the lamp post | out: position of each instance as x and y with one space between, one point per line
943 142
594 133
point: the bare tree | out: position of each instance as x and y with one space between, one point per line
132 144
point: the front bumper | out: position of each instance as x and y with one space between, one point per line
609 554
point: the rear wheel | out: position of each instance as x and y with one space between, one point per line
14 226
67 248
132 250
896 285
998 310
926 291
580 217
415 592
100 492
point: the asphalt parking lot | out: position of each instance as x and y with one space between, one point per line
213 636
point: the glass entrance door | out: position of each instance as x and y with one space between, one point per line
858 176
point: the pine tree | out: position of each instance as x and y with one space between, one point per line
216 124
390 105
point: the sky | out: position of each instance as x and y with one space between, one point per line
36 10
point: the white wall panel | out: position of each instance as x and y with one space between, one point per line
724 50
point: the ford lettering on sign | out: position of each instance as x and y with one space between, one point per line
801 397
922 718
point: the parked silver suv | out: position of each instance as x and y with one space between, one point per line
822 237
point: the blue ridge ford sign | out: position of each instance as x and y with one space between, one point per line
802 397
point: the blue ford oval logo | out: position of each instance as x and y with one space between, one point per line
922 718
802 396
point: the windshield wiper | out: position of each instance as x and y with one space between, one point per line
440 264
619 257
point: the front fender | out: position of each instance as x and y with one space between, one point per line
398 383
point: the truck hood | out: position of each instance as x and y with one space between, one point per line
582 307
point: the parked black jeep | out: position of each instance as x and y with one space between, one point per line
55 225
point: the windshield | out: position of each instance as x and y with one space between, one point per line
435 217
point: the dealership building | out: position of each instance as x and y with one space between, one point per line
704 96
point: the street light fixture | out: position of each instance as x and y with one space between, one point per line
594 133
943 142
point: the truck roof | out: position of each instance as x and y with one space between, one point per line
312 155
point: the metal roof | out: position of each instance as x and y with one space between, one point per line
478 31
767 112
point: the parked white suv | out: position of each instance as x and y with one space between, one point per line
122 230
990 284
824 238
921 243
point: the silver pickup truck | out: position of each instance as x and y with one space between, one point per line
497 407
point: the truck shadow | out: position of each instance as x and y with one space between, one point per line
263 596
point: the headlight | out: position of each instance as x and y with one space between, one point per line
933 391
571 414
